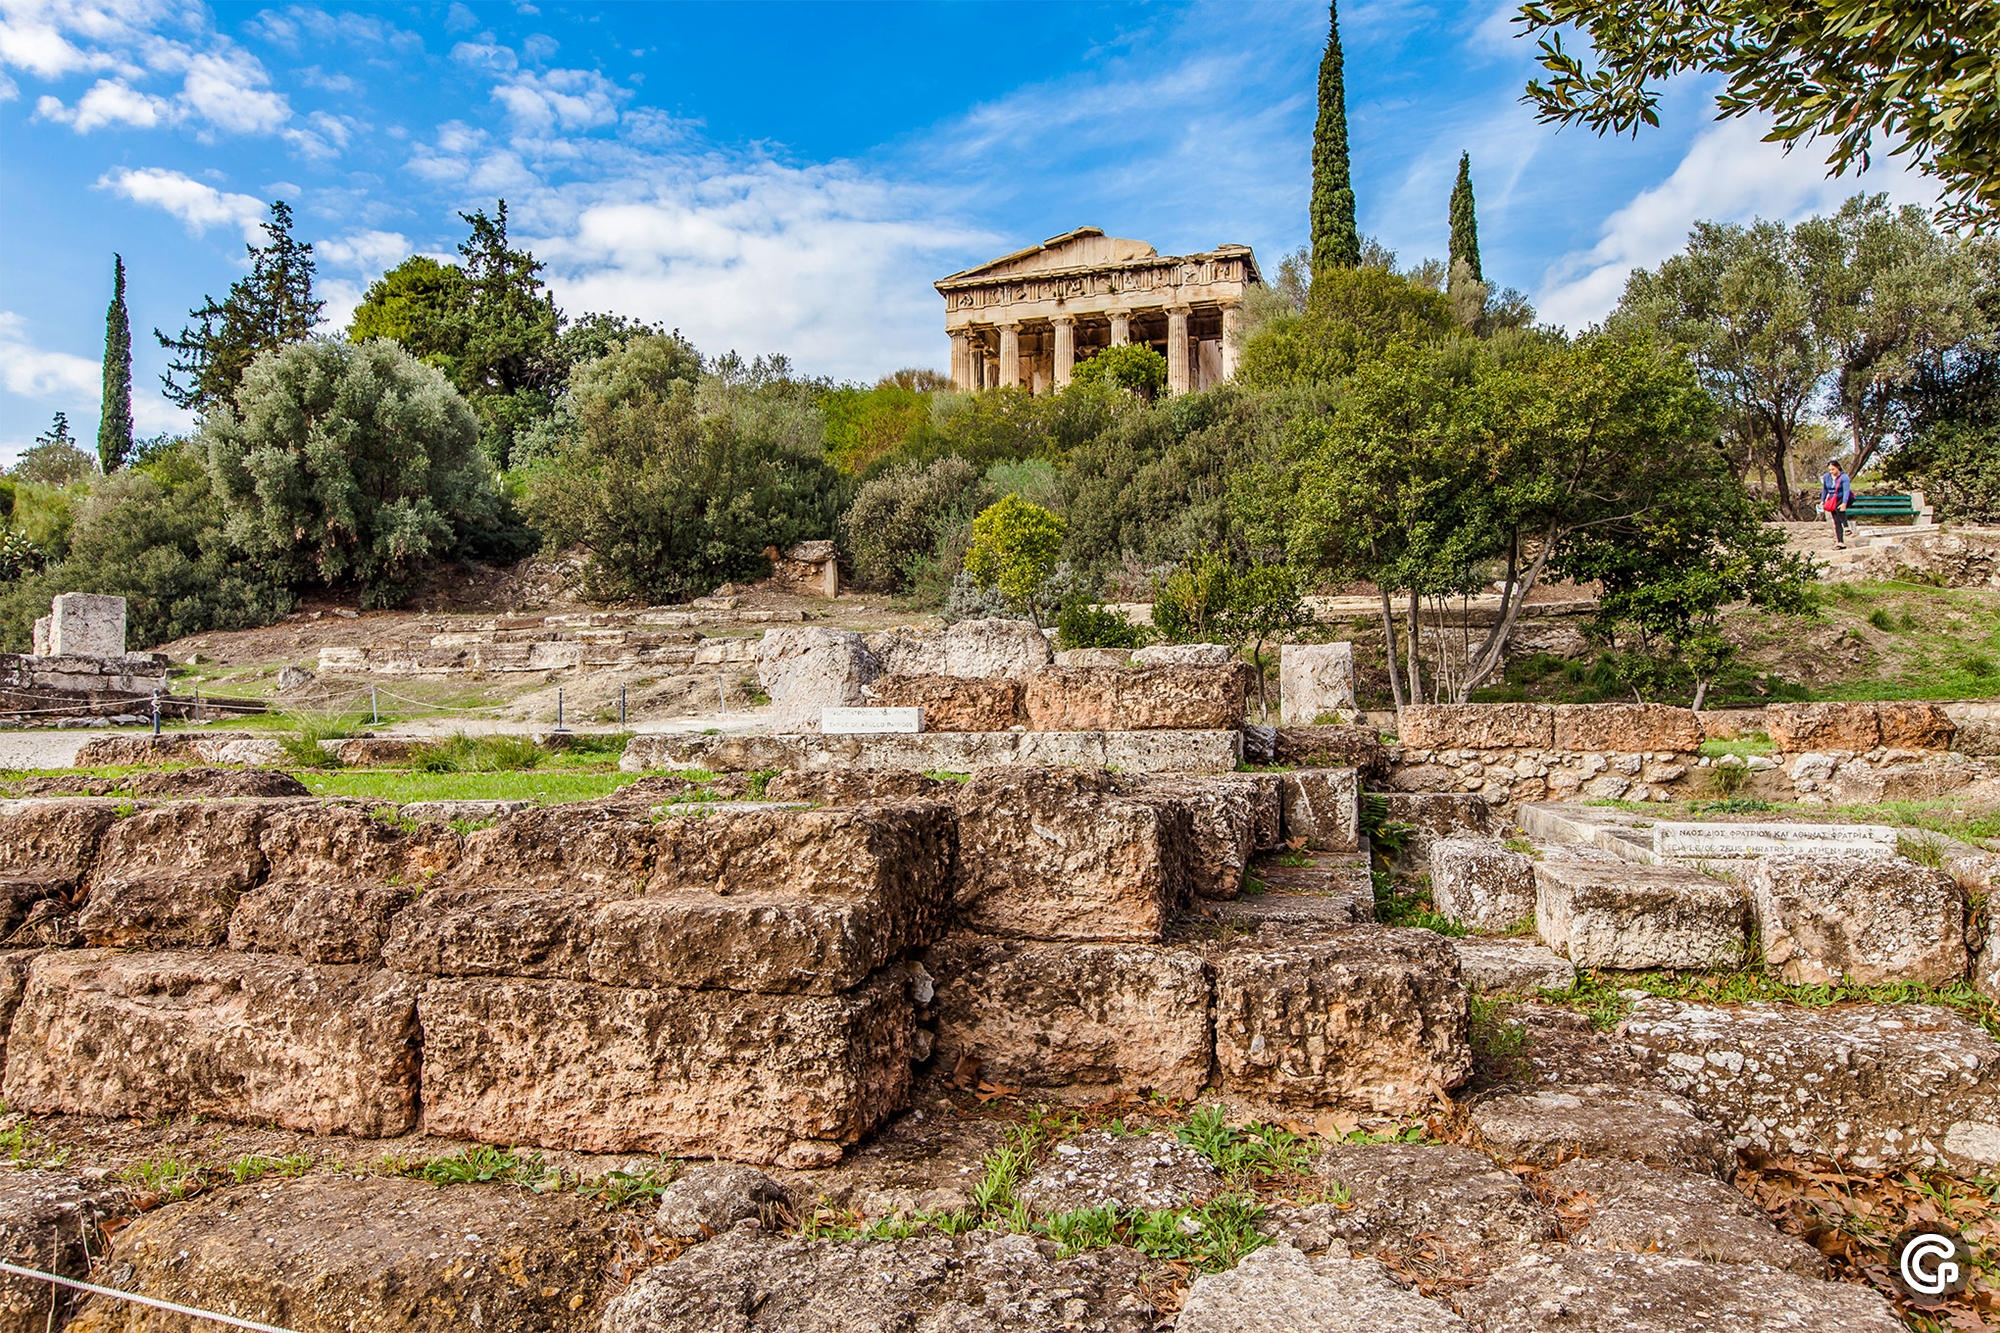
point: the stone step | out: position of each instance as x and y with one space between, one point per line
1601 911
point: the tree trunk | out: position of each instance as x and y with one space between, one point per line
1700 692
1494 650
1416 648
1389 643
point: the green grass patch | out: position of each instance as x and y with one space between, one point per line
255 1167
402 786
173 1177
1599 996
479 754
1743 746
1245 1152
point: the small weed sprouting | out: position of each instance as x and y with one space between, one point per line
946 775
1733 805
1722 781
1408 1134
614 1189
1295 859
760 782
170 1177
482 1165
466 827
1494 1038
1595 996
1396 906
392 817
1926 849
254 1167
1253 1150
1882 620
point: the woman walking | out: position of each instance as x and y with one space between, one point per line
1835 494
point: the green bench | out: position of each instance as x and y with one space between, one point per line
1883 506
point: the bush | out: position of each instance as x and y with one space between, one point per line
1014 548
349 464
1958 469
1131 366
903 516
1086 624
674 487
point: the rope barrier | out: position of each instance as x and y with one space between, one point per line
227 1319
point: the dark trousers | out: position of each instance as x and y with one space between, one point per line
1840 526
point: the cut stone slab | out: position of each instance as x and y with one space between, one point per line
1322 806
754 1078
1077 1021
52 1221
1857 918
1512 966
807 670
1434 815
871 721
215 841
1482 883
86 624
1057 854
1638 1209
325 843
1358 747
1229 813
1632 1122
469 932
953 703
1097 1169
170 910
1184 654
331 1253
1279 1290
1405 1197
1627 728
1161 698
1880 1087
982 649
712 1198
463 812
1825 726
251 1038
583 847
942 751
744 1283
1371 1019
1599 911
1477 727
1725 842
53 837
1656 1293
1315 684
317 921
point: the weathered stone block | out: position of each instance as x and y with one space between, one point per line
1636 1122
1278 1289
1433 815
995 647
1407 1196
807 670
1628 728
1094 657
851 786
1078 1021
754 1078
1477 727
1230 813
1101 1169
1603 912
1184 654
197 838
252 1038
54 1222
1358 747
1372 1019
1912 726
86 625
493 932
1827 726
326 843
587 846
1056 854
954 703
162 910
1881 1087
1134 699
53 837
1635 1209
1859 919
1513 967
317 921
1315 684
1482 883
1322 806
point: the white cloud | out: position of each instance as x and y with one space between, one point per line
368 251
198 206
459 19
9 90
567 99
484 55
31 372
228 91
109 102
1727 175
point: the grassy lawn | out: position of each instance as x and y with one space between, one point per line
402 786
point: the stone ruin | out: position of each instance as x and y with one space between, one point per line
79 666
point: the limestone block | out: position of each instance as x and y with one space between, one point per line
40 638
1480 882
1080 1022
1278 1289
1057 854
1184 654
557 1064
53 836
1635 1209
1657 1293
1099 1169
947 751
1881 1087
1845 727
1370 1020
53 1221
927 1282
871 721
1432 815
955 703
1599 911
1315 683
1477 727
808 670
1911 726
1442 1193
193 837
1135 699
708 1200
251 1038
985 648
87 625
1094 657
463 812
1227 813
1322 806
1637 1122
158 910
909 651
319 921
852 786
1859 919
1359 747
1628 728
584 846
310 841
1512 966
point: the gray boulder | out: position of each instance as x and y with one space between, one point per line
716 1197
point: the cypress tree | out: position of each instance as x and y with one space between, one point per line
114 424
1464 222
1334 239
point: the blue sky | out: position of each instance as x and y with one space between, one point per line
785 177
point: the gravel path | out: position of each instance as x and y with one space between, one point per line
42 749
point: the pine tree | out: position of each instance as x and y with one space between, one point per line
1334 238
114 424
271 307
1465 222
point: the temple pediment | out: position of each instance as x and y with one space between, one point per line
1086 247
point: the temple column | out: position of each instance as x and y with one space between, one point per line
1065 356
1232 334
1121 330
961 362
1010 355
1177 349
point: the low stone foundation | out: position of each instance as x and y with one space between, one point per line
942 751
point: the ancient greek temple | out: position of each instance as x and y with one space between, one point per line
1027 318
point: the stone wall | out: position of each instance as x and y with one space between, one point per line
1509 753
34 685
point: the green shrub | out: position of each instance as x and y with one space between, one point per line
1132 366
1087 624
1014 548
906 514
